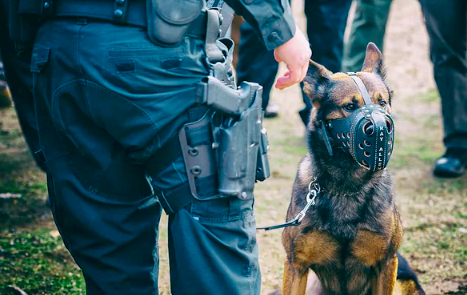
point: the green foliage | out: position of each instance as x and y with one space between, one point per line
37 263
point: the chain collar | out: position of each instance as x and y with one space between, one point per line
314 190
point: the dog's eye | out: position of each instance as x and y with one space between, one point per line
350 107
382 103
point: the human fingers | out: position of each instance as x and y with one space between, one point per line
290 78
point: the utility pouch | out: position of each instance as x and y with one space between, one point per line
168 21
238 139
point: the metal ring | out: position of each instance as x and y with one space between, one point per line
311 182
308 196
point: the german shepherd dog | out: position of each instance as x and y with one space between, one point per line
350 236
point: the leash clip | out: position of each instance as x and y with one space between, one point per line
313 191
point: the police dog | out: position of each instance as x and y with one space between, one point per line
349 237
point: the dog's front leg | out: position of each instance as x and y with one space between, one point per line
388 276
294 280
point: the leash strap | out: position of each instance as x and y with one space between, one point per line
361 87
293 222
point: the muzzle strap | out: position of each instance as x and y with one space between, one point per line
361 87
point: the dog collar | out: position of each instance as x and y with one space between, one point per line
314 190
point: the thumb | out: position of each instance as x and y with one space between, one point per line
276 56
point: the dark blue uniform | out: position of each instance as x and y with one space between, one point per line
326 21
108 100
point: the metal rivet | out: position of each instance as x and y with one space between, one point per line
46 5
120 1
243 195
196 170
118 13
215 145
193 152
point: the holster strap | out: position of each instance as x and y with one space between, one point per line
164 157
171 150
181 196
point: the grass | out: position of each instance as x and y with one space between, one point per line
36 261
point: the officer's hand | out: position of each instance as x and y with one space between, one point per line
296 54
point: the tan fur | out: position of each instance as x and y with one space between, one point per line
369 248
315 248
388 277
294 281
406 287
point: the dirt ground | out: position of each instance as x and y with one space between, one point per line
434 211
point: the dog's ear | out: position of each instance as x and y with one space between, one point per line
373 60
315 82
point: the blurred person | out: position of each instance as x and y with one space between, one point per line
446 23
5 101
326 22
16 62
368 25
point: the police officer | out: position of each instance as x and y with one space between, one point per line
115 86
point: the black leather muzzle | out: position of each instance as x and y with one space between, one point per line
367 134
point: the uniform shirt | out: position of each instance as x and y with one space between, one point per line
272 19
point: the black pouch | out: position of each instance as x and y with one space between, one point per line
168 21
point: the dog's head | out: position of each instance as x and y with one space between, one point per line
337 96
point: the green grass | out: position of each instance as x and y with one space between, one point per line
38 263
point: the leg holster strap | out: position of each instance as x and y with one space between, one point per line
181 196
164 157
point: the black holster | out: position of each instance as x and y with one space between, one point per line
236 154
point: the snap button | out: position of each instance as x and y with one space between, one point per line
273 37
120 1
118 13
46 5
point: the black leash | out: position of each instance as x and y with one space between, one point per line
313 191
